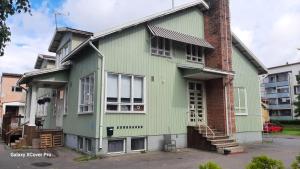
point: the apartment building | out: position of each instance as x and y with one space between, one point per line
280 89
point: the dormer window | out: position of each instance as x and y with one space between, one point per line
63 51
194 53
160 46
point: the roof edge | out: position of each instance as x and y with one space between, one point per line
250 56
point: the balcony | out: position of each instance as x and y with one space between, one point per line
280 106
277 95
278 84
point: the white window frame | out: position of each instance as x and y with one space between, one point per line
237 109
145 143
86 145
119 103
63 51
78 138
164 51
191 56
79 96
119 152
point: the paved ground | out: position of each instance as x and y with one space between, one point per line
283 148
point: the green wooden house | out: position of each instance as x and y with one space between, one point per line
176 77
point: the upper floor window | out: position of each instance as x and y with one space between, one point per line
63 51
86 94
282 77
194 53
240 101
125 93
297 89
283 90
160 46
16 89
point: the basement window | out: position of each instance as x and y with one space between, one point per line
194 53
116 146
160 46
125 93
240 101
80 143
88 144
138 144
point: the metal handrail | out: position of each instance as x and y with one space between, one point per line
206 131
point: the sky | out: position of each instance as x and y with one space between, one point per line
269 28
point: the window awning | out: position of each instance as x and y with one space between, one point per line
177 36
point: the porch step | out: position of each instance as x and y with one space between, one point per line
231 150
217 137
219 141
225 145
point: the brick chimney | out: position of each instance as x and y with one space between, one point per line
218 33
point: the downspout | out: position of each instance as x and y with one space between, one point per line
102 93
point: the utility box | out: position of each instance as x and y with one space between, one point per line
110 131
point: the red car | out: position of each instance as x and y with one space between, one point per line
271 127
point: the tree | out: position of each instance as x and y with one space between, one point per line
9 8
297 101
264 162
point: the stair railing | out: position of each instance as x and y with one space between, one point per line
207 128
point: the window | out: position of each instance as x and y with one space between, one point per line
271 79
16 89
284 100
86 91
194 53
240 101
80 143
138 144
63 51
282 77
160 46
271 90
88 144
272 101
125 93
45 108
297 90
116 146
283 90
40 110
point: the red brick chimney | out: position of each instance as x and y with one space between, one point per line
218 33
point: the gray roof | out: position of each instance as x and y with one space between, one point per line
59 32
40 58
177 36
249 55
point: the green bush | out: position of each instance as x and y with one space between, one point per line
210 165
264 162
296 164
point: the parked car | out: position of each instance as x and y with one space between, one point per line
271 127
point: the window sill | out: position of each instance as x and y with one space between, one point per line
83 113
190 61
124 112
241 114
164 56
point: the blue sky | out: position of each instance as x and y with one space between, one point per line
270 28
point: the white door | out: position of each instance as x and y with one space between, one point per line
196 103
59 107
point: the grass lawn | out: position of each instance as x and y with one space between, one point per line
292 130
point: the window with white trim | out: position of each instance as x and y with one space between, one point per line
88 145
80 143
240 101
62 52
297 90
116 146
125 93
160 46
194 53
138 144
86 94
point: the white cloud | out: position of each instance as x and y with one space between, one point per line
246 36
30 35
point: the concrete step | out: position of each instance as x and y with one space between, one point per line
219 141
225 145
216 134
231 150
17 141
217 137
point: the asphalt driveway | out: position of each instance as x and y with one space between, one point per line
283 148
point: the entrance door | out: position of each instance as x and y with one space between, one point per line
196 103
59 107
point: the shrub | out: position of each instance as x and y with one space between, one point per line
210 165
264 162
296 164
